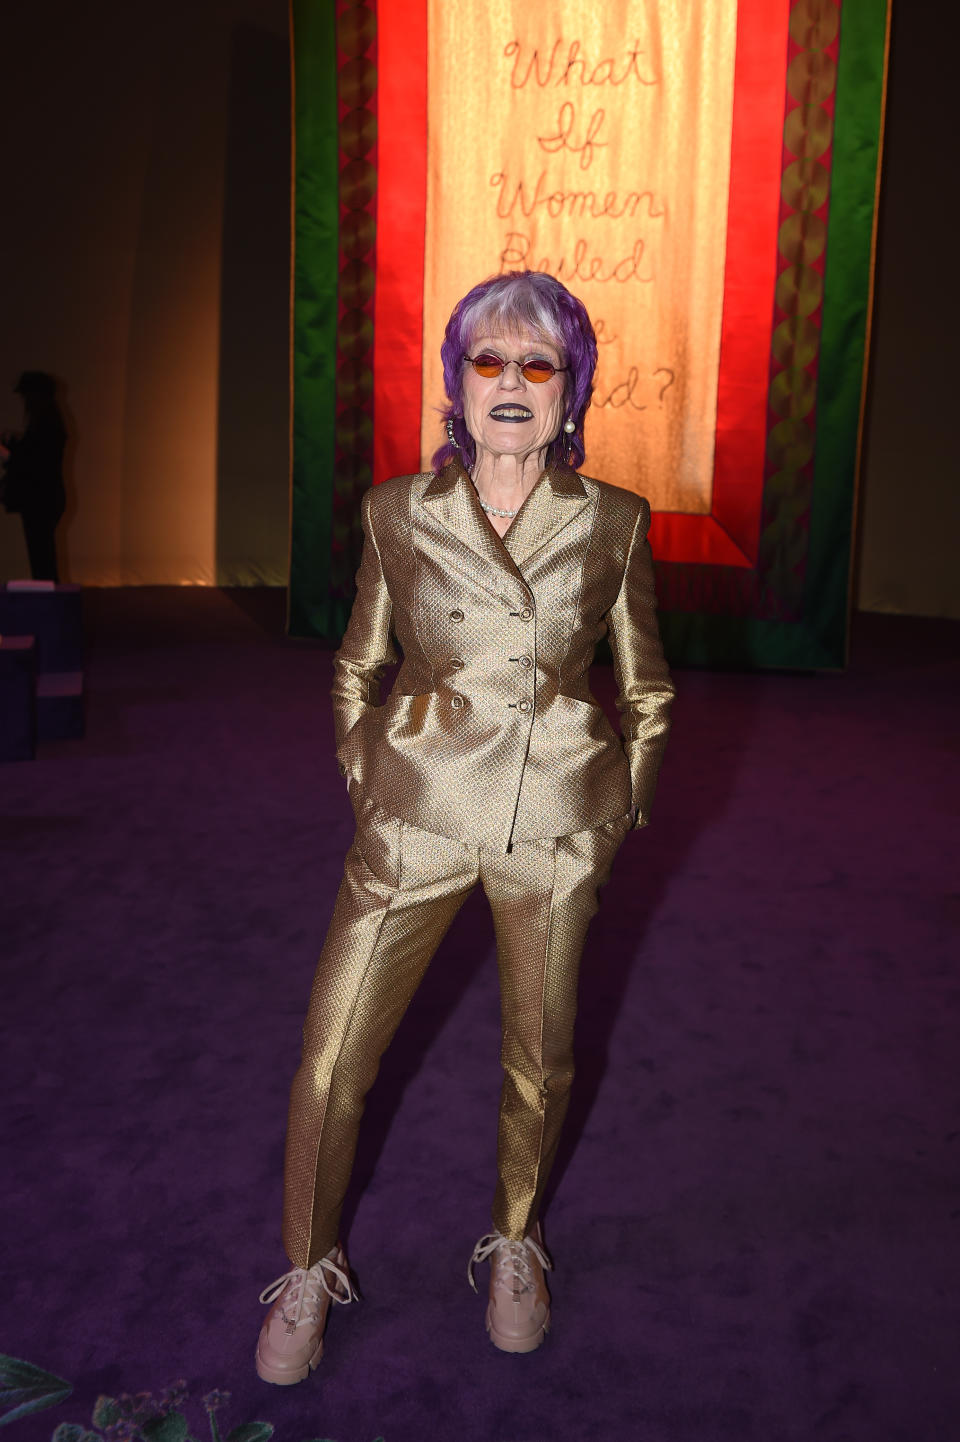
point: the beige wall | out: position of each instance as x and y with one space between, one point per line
143 255
140 209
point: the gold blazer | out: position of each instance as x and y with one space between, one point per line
490 733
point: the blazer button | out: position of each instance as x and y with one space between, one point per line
456 702
456 664
525 706
526 614
524 662
456 615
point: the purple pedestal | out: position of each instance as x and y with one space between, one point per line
53 616
60 706
18 719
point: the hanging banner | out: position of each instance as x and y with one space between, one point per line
600 154
703 176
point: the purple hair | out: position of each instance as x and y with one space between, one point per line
523 300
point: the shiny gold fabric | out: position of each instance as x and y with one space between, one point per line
402 886
490 733
489 762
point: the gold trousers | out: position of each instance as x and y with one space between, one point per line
401 889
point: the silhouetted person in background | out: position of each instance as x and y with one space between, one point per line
32 482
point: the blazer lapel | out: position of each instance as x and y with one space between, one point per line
452 500
552 504
557 498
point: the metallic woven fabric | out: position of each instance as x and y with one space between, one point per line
490 733
490 762
402 887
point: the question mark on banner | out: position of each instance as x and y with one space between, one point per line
665 370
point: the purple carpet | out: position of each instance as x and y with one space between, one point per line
755 1214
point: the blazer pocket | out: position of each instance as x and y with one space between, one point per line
408 717
569 710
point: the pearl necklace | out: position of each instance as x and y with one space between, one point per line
495 510
486 507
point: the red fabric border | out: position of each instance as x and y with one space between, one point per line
729 536
751 270
401 237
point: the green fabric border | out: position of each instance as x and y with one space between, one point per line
819 640
314 320
848 284
699 638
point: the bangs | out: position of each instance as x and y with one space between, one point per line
514 310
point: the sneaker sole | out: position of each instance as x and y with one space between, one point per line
283 1377
518 1344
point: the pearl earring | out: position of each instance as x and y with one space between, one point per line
570 426
450 435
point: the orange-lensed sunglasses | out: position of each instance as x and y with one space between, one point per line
489 366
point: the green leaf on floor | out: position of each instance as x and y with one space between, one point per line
251 1432
172 1428
25 1389
106 1411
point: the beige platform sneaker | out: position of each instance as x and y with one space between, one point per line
291 1339
518 1313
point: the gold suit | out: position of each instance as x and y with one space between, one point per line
490 762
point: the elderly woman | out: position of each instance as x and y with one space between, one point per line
490 762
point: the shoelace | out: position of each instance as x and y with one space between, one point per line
512 1256
305 1285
